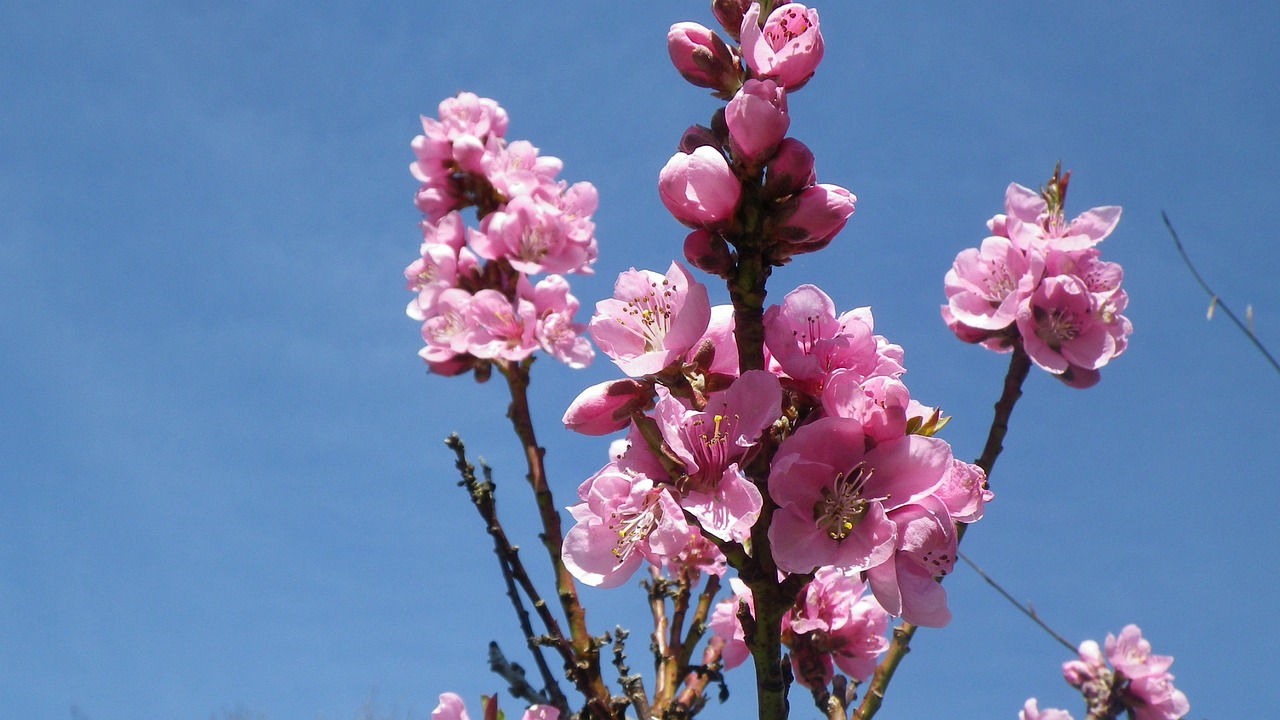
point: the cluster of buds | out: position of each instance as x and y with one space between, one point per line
1038 280
1137 685
859 483
835 624
742 180
474 296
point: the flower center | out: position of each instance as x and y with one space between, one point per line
653 311
843 505
1056 326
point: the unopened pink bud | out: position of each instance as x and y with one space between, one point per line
702 57
708 252
758 120
605 408
699 188
812 218
790 170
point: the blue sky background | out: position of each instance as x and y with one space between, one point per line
221 476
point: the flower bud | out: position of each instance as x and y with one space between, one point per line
758 121
708 252
607 407
790 170
699 189
702 57
812 218
697 136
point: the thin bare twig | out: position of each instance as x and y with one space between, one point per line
1214 298
513 574
1026 609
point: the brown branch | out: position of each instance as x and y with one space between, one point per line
513 573
698 626
587 652
632 685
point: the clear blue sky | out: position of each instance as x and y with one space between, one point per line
221 475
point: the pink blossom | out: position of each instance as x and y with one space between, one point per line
555 330
606 407
811 219
925 552
789 46
986 286
1031 712
451 707
530 235
652 320
446 329
1154 697
498 329
469 115
835 621
809 341
963 491
878 403
1030 223
518 169
834 496
710 442
702 57
757 119
1130 654
725 624
699 189
699 556
623 519
1059 329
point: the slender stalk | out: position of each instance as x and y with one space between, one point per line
1215 299
587 651
1019 366
1026 609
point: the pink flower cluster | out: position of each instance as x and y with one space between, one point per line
746 150
1039 280
859 483
834 624
473 296
451 707
1138 684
